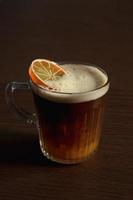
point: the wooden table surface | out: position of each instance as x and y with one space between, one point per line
99 32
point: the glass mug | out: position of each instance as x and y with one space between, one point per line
69 132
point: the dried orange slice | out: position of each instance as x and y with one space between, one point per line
42 70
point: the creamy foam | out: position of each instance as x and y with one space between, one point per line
81 83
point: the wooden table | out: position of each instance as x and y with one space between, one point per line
99 32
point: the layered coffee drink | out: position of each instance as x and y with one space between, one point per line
70 115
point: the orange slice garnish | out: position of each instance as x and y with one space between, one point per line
41 70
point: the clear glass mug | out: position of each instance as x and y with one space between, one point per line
69 124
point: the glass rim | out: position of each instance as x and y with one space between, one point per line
76 93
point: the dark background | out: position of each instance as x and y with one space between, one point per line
99 32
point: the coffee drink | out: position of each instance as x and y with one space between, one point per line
70 115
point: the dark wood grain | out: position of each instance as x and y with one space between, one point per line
99 32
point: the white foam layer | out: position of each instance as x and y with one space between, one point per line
83 83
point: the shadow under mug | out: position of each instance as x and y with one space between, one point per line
69 124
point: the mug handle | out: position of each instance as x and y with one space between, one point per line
29 118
